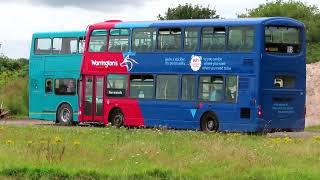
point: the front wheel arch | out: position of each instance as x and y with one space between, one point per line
116 111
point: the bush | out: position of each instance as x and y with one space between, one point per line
313 52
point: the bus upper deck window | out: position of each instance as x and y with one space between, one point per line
42 46
64 45
213 39
280 39
98 40
241 38
169 40
81 44
119 40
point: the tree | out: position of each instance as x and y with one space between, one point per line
308 14
189 11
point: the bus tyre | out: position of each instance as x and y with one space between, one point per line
209 122
65 115
117 118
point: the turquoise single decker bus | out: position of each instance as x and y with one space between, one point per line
54 69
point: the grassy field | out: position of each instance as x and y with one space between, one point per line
36 152
313 128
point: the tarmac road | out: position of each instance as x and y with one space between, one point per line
26 122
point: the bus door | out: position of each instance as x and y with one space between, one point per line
93 98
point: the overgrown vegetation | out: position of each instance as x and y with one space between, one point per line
14 85
98 153
308 14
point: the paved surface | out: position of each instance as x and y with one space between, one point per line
305 134
26 122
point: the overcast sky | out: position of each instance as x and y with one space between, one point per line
20 18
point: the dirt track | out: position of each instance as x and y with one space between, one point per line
27 122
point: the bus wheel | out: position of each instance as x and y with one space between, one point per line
65 115
209 122
117 118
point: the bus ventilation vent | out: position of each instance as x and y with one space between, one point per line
245 113
248 62
243 83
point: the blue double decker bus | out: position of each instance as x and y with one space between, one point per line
213 75
54 70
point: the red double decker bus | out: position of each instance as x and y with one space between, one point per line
213 75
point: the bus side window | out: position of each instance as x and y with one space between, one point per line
48 86
211 88
213 39
65 87
64 45
231 88
191 39
98 40
119 40
42 46
81 45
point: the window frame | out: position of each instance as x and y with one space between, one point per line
77 51
198 38
127 92
45 86
181 41
109 38
106 40
75 86
81 38
195 85
153 85
178 87
225 39
254 39
36 46
223 88
300 44
154 43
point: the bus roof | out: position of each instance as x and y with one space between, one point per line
58 34
204 22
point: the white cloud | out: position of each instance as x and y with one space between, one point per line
20 20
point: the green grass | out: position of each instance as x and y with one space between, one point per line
37 152
313 128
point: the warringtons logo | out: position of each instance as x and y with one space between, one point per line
104 63
127 62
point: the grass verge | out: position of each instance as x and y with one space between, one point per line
37 152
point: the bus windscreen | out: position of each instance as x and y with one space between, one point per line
280 39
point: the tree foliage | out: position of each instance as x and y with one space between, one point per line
12 69
189 11
308 14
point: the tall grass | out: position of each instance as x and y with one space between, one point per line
14 96
14 85
99 153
